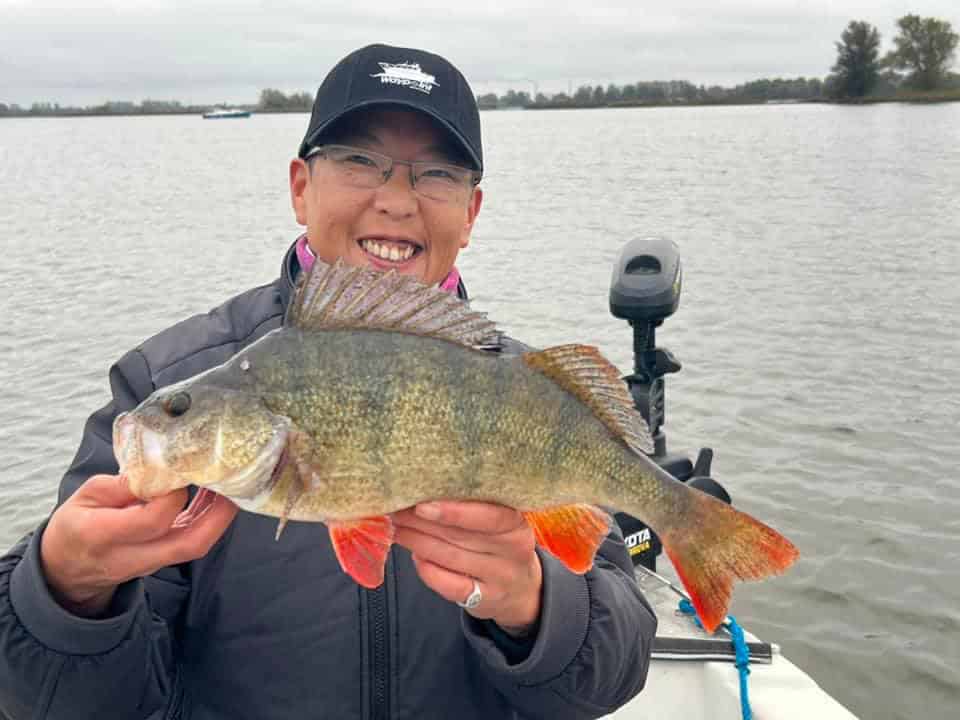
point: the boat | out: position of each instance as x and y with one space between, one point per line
692 675
223 114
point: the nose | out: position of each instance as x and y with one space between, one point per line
396 196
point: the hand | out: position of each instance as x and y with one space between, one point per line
103 536
455 543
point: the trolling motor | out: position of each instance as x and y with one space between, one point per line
645 290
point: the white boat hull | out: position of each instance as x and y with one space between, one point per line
693 688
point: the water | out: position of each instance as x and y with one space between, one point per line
821 250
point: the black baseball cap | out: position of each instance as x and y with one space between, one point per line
384 75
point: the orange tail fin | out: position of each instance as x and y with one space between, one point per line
572 533
714 545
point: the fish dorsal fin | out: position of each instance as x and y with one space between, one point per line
584 372
341 296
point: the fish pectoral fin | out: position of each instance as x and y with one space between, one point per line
362 546
572 533
295 491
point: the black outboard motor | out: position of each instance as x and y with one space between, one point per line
645 290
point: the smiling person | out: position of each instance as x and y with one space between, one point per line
109 610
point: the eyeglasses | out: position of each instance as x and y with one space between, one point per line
361 168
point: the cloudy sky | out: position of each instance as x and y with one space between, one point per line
205 51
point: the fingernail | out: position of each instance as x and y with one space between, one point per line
428 511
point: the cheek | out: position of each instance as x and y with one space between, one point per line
331 224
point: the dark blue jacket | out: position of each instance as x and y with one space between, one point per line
259 629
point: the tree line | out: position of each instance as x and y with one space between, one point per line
920 60
924 50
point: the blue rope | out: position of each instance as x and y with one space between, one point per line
740 649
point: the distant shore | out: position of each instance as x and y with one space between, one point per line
131 110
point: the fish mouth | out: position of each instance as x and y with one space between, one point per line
139 454
387 251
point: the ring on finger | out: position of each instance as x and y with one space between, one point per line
473 599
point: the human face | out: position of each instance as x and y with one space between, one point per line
360 225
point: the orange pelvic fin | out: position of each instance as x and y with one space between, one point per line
362 546
572 533
729 545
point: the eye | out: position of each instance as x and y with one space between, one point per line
441 172
177 404
356 158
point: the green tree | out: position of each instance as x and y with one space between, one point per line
858 65
925 48
271 99
583 95
300 101
488 101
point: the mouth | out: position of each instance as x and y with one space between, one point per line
390 252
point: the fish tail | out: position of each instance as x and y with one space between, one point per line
712 544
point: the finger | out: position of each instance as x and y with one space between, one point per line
178 545
517 543
137 523
489 567
451 586
470 515
105 491
467 539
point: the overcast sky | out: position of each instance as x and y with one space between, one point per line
206 51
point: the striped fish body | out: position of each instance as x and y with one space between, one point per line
379 393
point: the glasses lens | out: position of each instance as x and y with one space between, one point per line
439 181
368 169
360 168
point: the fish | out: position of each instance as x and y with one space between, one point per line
377 393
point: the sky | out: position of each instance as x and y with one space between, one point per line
211 51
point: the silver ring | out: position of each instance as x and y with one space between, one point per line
473 599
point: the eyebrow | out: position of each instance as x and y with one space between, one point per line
441 149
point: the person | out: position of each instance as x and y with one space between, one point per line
108 611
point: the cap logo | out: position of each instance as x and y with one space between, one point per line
408 75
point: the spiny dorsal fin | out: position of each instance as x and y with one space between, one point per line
341 296
584 372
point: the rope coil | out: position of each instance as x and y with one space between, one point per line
740 649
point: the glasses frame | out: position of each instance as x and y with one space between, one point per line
391 162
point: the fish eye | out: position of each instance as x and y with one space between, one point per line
177 404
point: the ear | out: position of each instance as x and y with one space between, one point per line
299 183
473 209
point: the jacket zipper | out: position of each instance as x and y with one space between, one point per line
175 706
379 653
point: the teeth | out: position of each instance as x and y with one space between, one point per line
389 252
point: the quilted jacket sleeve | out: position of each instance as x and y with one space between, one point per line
57 665
592 649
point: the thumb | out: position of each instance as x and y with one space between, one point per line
106 491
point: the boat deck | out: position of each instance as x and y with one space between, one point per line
693 676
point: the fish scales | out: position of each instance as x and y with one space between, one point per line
451 422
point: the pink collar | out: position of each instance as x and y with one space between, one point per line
306 257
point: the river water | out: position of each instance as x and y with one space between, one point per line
818 331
